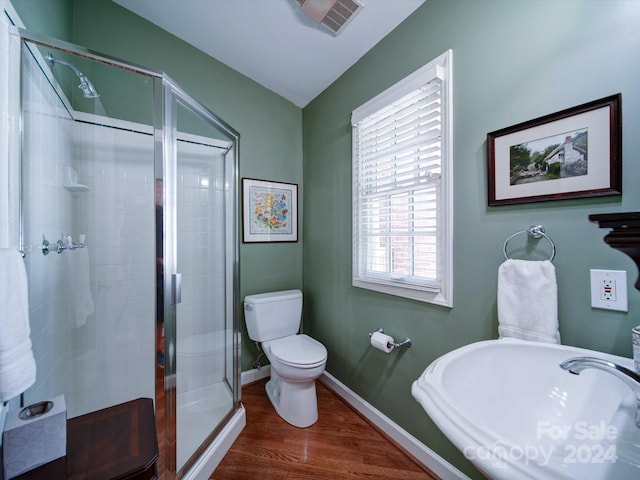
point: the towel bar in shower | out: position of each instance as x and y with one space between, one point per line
60 246
534 231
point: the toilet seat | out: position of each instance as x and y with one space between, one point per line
298 351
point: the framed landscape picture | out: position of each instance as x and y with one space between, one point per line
574 153
269 211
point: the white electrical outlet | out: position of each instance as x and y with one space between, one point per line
609 290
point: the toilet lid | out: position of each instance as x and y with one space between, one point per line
298 350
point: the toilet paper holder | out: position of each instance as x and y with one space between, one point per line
406 341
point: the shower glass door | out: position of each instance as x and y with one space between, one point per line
127 213
87 230
199 204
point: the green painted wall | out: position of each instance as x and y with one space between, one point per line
52 17
512 61
270 127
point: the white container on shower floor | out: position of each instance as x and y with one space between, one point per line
203 396
200 361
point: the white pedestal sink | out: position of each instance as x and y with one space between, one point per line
515 414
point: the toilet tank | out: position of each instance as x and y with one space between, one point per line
273 315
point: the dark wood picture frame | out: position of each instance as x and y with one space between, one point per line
269 211
587 163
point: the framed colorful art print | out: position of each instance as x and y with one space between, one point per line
269 211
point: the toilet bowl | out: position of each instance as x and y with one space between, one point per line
297 360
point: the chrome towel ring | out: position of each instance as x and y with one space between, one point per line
534 231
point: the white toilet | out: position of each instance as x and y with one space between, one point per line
296 359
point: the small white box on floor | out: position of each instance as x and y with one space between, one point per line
34 435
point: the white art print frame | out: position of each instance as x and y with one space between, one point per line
574 153
269 211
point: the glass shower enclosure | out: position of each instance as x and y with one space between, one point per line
128 225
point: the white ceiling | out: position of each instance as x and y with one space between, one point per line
273 41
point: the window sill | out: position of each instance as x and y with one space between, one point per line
436 298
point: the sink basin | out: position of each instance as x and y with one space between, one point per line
515 414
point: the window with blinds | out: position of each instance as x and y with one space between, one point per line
401 187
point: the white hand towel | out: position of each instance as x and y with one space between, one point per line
17 365
528 301
78 286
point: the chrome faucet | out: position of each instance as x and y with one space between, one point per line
632 379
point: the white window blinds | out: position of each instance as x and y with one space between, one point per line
398 216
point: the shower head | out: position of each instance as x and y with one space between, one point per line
86 87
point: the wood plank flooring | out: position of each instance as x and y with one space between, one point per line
341 445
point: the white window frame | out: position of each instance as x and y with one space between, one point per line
442 292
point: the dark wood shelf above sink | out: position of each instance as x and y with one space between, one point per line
625 235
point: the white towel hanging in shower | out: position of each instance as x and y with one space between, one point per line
17 365
78 286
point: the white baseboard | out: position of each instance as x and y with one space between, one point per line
404 439
254 375
215 452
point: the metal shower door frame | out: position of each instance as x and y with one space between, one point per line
166 93
166 159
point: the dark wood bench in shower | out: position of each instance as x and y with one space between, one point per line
118 442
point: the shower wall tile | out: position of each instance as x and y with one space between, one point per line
118 219
46 207
111 357
8 90
200 240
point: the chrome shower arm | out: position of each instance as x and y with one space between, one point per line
88 90
53 60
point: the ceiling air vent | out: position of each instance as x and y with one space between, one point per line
333 14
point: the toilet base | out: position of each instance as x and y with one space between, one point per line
295 402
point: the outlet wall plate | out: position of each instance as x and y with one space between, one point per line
609 290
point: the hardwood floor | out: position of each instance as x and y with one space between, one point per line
160 419
341 445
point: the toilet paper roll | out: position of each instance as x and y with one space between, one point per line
382 342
